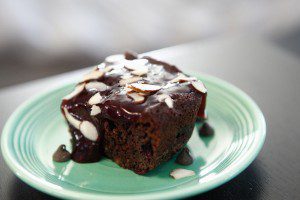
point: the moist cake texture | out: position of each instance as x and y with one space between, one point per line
135 110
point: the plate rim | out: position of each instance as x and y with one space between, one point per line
57 191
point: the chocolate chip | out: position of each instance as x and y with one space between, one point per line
184 157
61 154
206 130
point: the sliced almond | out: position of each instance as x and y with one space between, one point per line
108 68
78 89
169 85
145 88
95 99
165 98
181 173
136 97
169 102
127 89
162 97
95 110
93 75
137 64
140 72
96 86
178 78
126 76
115 58
198 85
129 80
143 94
100 66
182 78
74 122
89 130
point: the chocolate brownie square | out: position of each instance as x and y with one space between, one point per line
135 110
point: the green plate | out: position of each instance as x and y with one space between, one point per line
37 128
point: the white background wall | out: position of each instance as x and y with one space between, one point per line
50 36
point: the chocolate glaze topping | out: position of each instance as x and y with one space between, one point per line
115 102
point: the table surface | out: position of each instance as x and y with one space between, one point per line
268 74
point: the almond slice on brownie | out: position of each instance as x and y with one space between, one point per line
136 97
145 88
129 80
198 85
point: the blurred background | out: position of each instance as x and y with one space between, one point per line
39 38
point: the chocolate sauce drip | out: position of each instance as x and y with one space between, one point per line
184 157
61 154
206 130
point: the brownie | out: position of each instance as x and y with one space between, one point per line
135 110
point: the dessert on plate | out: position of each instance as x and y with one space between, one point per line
135 110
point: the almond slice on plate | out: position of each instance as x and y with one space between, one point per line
181 173
88 130
115 58
198 85
93 75
78 89
95 110
145 88
95 99
129 80
136 97
96 86
74 122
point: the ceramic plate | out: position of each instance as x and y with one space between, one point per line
37 128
